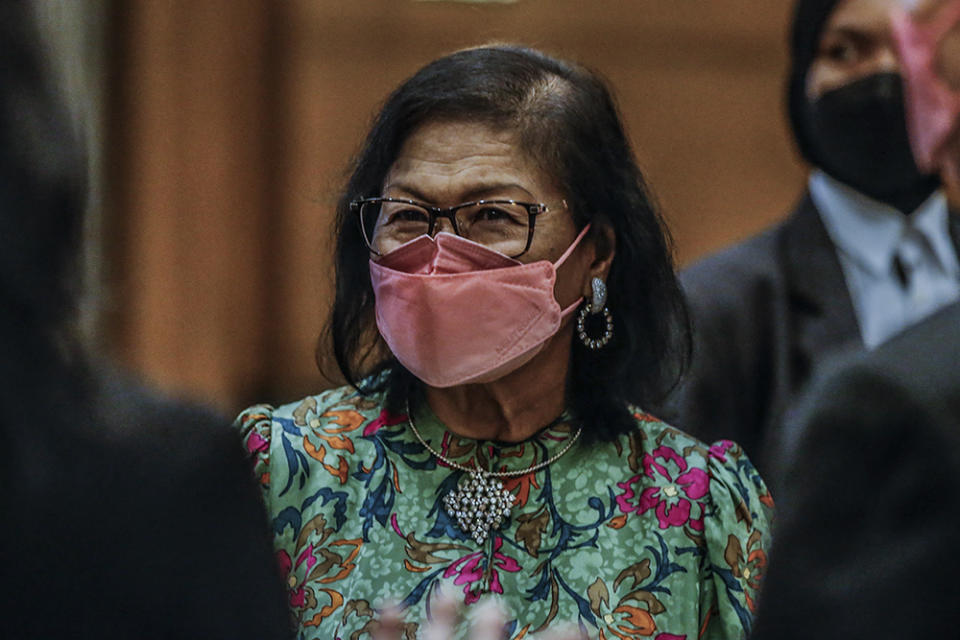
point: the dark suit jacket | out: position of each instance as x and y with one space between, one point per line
124 516
121 515
763 313
868 521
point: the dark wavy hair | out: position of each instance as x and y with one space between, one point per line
566 120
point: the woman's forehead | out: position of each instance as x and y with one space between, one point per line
462 158
457 142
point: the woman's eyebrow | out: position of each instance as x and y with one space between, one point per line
488 190
475 193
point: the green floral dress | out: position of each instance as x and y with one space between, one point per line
653 535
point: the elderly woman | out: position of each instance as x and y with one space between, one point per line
505 307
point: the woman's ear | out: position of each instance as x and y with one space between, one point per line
604 241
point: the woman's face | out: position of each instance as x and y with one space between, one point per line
448 163
857 41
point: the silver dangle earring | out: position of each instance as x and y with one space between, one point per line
596 306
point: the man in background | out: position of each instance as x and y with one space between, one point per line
869 250
123 515
868 482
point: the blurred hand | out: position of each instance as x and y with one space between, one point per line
921 9
487 622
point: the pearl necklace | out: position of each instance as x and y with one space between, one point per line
480 502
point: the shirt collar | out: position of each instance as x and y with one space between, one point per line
934 224
868 231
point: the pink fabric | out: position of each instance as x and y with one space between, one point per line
933 108
256 443
455 312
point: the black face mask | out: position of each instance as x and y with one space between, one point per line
859 135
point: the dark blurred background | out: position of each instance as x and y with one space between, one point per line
220 131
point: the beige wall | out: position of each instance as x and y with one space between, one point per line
233 121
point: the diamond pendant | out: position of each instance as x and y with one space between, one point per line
479 504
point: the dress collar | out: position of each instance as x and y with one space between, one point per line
490 455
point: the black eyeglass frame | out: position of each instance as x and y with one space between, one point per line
533 210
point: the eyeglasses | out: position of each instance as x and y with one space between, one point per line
502 225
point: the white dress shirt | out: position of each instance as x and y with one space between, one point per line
868 235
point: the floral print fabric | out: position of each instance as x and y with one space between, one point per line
653 535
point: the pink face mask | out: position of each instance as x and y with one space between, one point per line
933 108
455 312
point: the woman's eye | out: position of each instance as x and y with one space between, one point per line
407 215
492 213
499 214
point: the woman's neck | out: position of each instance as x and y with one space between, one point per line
513 407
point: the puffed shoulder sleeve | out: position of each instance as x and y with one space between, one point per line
255 425
737 532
